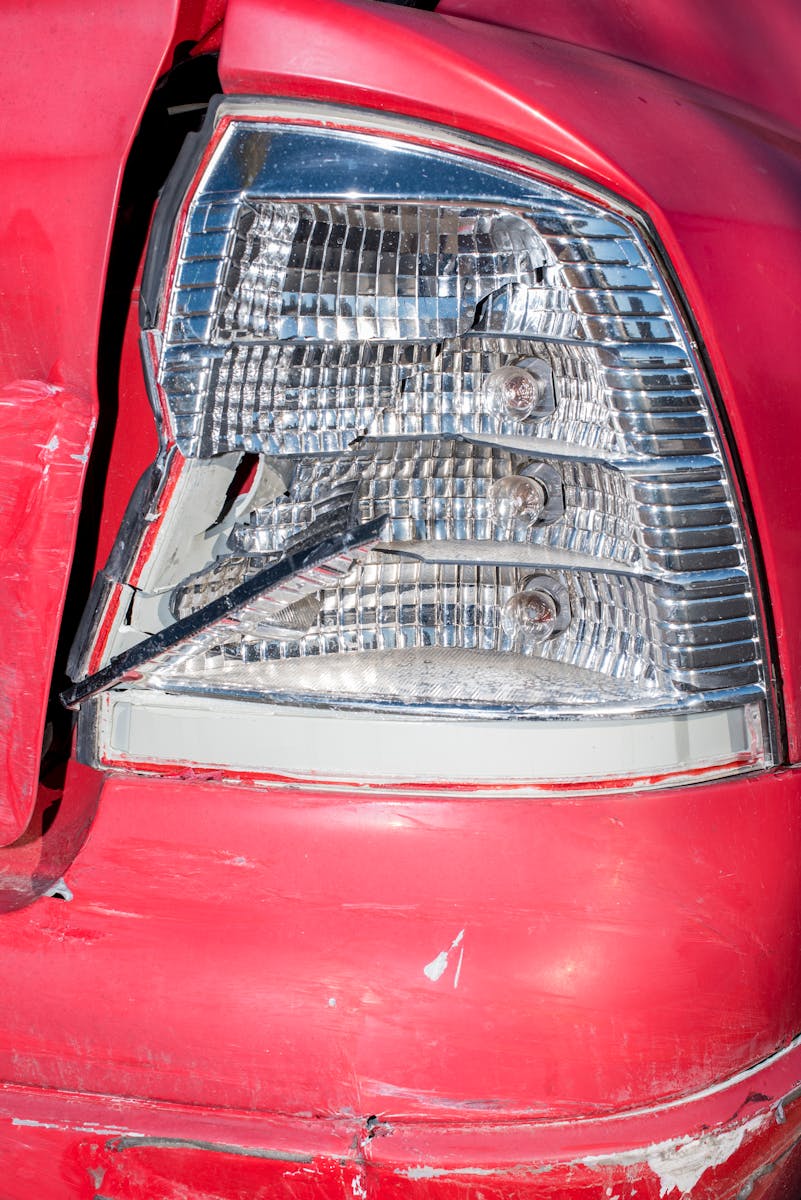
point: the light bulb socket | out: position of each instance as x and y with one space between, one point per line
520 392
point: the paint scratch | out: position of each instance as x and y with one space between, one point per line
439 965
416 1173
458 967
678 1165
139 1141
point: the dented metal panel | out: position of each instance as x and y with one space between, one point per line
45 434
108 1150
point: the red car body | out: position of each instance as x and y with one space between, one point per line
213 990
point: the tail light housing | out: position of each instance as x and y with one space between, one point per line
441 498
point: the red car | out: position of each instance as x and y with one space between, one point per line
402 698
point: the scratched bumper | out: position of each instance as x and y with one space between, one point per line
741 1145
442 996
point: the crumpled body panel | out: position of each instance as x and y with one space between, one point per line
45 433
76 80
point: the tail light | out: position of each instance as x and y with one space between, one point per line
441 494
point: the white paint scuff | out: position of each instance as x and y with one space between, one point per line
438 1172
60 891
679 1164
439 965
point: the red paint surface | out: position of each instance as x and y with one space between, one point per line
721 182
737 50
75 81
620 952
265 948
136 1151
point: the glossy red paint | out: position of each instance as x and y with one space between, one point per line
231 998
266 948
743 53
76 79
720 181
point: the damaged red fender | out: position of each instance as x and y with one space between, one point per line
45 435
76 80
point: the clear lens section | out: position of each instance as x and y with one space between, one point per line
316 270
517 393
516 500
505 382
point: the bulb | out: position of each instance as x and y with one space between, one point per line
530 616
514 392
516 498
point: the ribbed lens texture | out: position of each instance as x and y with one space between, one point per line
510 388
321 270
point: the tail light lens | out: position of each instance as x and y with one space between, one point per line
487 372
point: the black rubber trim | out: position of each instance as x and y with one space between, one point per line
428 5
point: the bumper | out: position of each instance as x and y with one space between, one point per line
438 996
744 1146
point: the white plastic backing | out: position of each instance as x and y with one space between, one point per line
296 743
